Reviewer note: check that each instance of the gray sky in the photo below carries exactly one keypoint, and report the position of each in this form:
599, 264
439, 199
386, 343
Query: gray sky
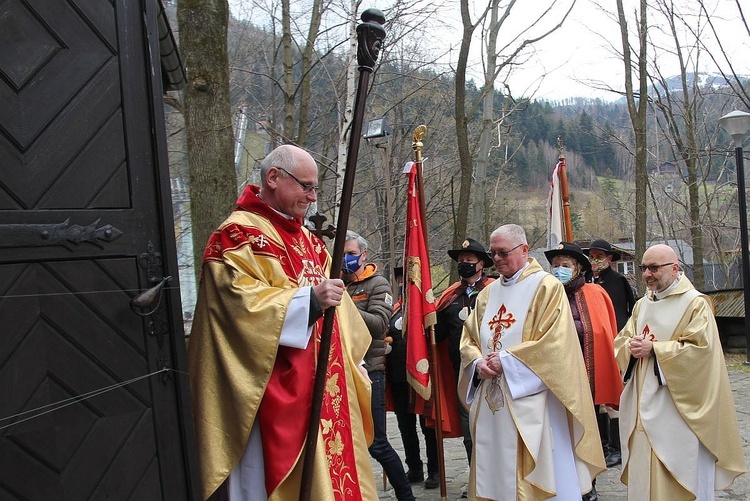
576, 57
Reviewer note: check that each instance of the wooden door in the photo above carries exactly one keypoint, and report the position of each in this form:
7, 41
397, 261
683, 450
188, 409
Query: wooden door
92, 401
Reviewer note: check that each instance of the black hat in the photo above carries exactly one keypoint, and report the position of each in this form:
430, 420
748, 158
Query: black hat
471, 245
603, 245
572, 250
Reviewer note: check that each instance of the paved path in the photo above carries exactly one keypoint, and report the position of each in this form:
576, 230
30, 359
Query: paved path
608, 484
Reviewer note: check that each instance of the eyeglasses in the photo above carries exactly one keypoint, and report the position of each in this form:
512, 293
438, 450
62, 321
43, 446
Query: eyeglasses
503, 254
307, 188
653, 268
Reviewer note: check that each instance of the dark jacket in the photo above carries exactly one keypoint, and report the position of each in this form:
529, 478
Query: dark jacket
371, 292
620, 292
449, 322
396, 359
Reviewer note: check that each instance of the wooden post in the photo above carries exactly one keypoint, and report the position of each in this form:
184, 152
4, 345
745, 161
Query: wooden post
370, 39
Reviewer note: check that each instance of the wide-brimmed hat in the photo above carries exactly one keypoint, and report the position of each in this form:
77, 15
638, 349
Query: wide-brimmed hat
569, 249
604, 246
471, 245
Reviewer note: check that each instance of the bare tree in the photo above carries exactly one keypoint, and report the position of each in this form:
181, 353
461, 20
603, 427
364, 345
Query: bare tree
680, 112
637, 107
500, 58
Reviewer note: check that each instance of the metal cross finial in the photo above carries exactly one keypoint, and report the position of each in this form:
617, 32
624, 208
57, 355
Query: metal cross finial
318, 220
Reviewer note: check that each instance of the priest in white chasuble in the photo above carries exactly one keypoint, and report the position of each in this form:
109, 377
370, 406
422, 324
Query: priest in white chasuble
253, 350
678, 425
523, 376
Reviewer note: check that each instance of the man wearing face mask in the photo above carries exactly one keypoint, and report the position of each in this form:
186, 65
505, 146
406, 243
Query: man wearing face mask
454, 306
620, 292
595, 322
371, 293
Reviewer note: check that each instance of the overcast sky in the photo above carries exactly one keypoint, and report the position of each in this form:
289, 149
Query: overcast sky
579, 55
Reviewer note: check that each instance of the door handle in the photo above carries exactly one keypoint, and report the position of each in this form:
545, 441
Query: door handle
143, 303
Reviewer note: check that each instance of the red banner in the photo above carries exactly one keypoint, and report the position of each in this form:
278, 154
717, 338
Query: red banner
419, 299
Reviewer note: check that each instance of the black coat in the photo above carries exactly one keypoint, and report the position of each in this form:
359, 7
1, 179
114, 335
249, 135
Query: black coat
395, 362
620, 292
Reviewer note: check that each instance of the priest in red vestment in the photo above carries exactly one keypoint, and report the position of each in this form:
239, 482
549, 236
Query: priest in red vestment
253, 349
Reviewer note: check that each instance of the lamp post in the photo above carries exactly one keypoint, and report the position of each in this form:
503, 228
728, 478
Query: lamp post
737, 124
377, 128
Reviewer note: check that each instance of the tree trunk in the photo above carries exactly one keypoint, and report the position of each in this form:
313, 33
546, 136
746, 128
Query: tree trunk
637, 112
208, 117
307, 63
481, 202
287, 61
348, 112
462, 134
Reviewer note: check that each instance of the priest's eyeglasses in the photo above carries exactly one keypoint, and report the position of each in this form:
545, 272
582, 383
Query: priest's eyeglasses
503, 254
307, 188
653, 268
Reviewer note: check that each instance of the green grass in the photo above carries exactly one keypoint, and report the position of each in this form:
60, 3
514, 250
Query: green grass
735, 362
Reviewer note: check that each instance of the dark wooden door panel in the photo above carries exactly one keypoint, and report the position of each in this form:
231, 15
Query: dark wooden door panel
88, 408
69, 343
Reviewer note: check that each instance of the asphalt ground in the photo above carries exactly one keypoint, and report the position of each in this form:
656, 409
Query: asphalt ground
608, 484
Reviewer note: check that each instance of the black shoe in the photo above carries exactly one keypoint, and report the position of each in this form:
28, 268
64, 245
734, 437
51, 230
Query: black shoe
415, 476
613, 458
433, 481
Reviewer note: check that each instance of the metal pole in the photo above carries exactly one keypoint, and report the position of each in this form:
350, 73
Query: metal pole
741, 197
389, 210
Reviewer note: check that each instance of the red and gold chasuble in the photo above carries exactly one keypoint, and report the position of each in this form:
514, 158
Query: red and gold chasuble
285, 406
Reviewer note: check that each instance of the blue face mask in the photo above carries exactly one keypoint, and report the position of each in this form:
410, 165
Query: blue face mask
350, 264
564, 275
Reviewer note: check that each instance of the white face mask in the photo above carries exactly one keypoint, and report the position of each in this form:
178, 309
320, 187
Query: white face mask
563, 274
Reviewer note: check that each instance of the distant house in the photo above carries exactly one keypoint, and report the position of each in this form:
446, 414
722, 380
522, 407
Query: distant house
667, 168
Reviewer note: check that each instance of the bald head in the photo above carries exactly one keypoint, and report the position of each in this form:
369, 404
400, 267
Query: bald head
660, 267
289, 178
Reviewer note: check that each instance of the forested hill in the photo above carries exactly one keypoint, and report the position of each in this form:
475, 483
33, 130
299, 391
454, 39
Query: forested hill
587, 129
408, 93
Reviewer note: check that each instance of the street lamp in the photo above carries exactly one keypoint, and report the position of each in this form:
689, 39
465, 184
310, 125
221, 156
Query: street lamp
377, 128
737, 124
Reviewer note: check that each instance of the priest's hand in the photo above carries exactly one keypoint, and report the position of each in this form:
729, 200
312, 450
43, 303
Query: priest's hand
329, 292
489, 367
640, 347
